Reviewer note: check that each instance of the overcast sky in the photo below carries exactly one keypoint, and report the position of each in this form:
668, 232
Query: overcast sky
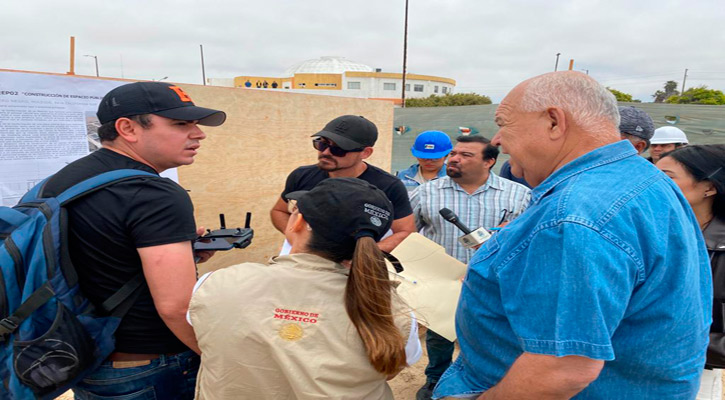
486, 46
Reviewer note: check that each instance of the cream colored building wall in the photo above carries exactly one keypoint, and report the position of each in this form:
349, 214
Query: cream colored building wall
309, 81
257, 82
242, 165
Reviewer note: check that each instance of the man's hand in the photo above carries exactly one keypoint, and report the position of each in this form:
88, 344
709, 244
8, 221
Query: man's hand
202, 255
538, 376
401, 229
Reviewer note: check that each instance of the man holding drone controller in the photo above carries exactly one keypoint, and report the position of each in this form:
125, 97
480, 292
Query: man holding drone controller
145, 224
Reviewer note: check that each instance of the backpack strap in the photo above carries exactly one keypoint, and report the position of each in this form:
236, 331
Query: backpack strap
117, 305
34, 193
120, 302
40, 296
36, 300
98, 182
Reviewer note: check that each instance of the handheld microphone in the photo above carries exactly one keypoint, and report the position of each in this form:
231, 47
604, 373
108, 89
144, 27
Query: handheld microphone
451, 217
470, 238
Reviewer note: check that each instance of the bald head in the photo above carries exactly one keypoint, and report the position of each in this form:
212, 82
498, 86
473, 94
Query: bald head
551, 119
592, 106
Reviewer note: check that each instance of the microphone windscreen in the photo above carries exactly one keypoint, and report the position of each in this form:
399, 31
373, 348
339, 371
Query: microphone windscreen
447, 214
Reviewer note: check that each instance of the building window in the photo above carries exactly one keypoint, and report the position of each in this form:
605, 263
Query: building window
407, 87
388, 86
435, 89
353, 85
326, 84
445, 90
417, 88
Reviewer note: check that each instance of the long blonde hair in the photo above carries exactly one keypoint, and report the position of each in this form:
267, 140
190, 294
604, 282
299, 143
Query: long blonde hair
368, 300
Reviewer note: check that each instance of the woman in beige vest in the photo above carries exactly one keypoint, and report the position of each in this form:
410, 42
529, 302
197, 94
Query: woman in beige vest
306, 326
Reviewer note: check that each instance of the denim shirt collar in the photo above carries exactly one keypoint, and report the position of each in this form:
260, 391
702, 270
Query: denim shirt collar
595, 158
412, 171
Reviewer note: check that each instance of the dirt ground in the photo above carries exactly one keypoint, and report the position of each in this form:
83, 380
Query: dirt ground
409, 380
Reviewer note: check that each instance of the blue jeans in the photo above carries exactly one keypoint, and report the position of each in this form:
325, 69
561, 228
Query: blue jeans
167, 377
440, 355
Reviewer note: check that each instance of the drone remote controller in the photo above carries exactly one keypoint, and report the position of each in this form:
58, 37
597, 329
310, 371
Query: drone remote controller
225, 239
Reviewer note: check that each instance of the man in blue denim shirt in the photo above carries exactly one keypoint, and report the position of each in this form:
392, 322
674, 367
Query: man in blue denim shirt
602, 288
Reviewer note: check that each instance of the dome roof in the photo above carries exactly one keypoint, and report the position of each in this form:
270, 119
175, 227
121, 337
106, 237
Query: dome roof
326, 65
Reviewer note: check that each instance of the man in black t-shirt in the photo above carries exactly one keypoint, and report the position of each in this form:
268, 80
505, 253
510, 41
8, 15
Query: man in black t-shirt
342, 146
140, 225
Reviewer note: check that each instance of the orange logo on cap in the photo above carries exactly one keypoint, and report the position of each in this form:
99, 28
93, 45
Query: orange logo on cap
182, 94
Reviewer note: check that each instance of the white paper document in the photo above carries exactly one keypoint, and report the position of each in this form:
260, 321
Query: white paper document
46, 122
430, 283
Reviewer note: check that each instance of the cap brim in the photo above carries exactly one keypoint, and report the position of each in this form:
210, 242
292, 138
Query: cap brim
340, 141
295, 195
667, 141
205, 116
420, 154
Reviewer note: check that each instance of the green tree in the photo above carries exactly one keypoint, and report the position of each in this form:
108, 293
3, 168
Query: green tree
447, 100
699, 95
621, 96
670, 90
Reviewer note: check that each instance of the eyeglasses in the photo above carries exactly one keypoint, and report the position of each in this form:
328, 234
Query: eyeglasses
321, 145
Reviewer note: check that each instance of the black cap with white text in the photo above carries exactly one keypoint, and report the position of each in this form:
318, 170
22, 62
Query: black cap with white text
341, 209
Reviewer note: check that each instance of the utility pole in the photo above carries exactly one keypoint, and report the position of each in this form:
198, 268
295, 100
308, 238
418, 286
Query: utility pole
556, 66
203, 72
72, 55
405, 52
684, 79
95, 58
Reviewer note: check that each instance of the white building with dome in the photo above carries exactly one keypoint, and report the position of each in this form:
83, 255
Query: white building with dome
338, 76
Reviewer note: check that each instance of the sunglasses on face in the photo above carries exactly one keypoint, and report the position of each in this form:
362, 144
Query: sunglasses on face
320, 145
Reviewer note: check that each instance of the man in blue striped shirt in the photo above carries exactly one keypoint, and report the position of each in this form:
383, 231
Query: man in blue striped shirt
480, 198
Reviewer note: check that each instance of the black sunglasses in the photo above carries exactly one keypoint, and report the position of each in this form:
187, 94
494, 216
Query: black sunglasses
321, 145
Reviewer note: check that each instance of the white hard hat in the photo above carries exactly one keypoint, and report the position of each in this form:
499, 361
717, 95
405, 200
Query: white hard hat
668, 134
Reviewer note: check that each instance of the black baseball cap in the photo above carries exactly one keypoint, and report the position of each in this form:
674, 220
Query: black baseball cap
342, 209
158, 98
350, 132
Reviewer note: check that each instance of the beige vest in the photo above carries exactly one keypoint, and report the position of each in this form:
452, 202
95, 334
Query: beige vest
280, 331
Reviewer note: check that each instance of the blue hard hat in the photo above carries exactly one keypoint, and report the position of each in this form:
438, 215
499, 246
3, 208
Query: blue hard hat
431, 144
